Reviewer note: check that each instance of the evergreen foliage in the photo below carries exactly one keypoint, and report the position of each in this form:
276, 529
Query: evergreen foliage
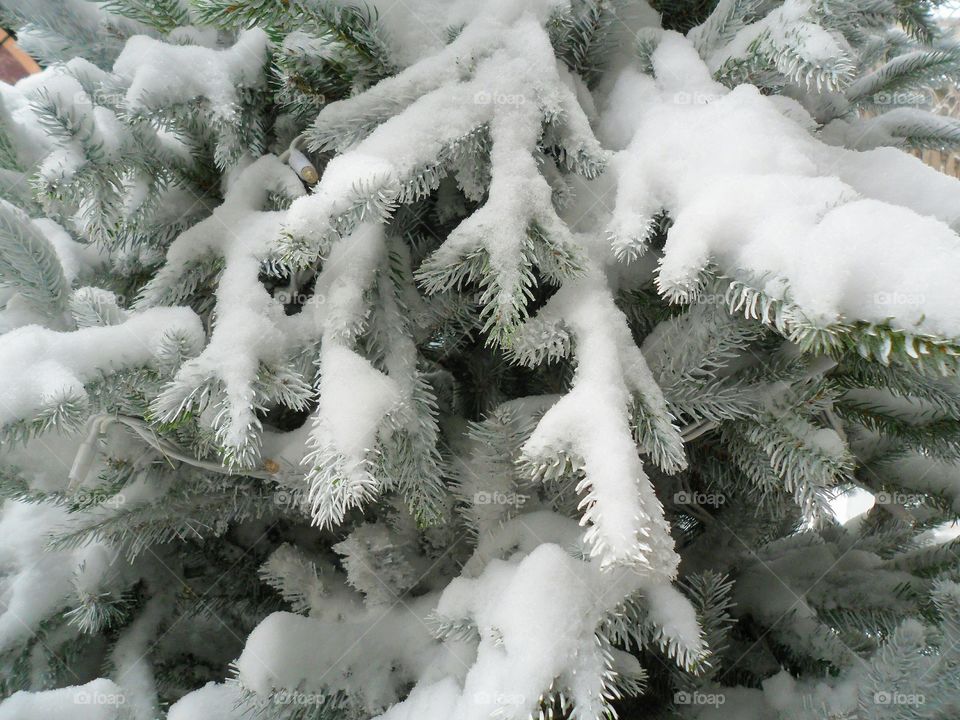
486, 360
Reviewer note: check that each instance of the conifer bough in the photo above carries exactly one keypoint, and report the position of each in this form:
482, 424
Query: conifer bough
470, 360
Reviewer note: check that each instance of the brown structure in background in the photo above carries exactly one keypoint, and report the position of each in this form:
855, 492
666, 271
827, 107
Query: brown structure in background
947, 103
14, 62
945, 162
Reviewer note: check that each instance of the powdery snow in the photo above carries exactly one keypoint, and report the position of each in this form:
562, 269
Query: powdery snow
520, 585
591, 422
517, 589
160, 73
750, 189
515, 80
337, 311
354, 398
373, 653
36, 583
791, 26
755, 194
41, 366
211, 702
243, 234
99, 699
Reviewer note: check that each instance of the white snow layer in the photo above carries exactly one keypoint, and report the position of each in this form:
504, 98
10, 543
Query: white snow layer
525, 580
41, 367
36, 582
840, 234
591, 423
99, 699
242, 234
211, 702
161, 73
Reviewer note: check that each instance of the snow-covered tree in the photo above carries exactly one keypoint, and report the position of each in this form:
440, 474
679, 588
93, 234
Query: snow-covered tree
470, 359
